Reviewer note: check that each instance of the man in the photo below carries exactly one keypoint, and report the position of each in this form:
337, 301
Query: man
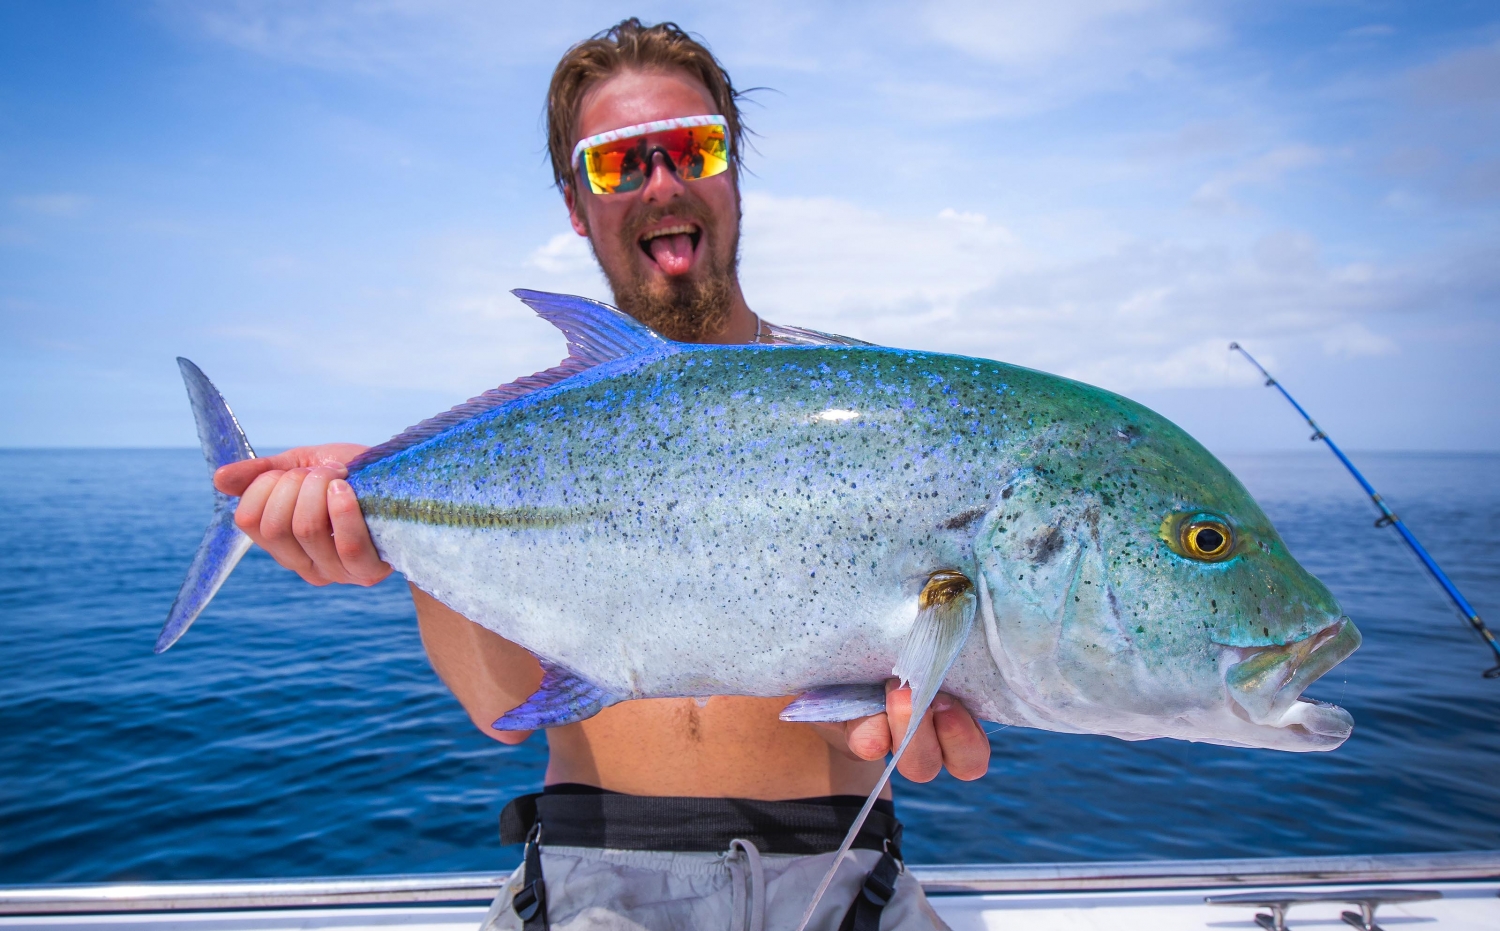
734, 811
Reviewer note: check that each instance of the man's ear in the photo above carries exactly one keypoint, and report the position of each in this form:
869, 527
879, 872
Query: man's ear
575, 213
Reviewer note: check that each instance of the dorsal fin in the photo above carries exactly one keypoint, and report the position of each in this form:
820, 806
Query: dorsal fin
596, 332
801, 336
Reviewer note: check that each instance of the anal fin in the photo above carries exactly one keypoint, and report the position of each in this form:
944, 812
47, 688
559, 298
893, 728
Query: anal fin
562, 698
945, 615
836, 703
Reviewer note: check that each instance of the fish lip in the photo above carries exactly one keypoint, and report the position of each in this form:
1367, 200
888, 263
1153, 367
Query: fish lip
1265, 687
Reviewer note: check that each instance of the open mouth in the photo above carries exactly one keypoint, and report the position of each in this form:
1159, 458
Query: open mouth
1267, 685
673, 247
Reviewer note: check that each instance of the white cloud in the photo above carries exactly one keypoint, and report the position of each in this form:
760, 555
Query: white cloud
1069, 250
1041, 34
830, 264
398, 39
1217, 193
1355, 339
565, 254
454, 330
1036, 53
52, 205
470, 42
1469, 77
1144, 315
1029, 56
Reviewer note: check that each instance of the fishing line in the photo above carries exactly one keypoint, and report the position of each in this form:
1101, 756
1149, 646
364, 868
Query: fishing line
1388, 518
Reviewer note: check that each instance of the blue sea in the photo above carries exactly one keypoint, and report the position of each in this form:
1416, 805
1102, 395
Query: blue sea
299, 731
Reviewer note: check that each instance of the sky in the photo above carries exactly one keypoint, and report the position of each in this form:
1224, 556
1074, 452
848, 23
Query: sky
325, 204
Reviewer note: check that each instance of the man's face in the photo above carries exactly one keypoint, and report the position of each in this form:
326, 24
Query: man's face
669, 248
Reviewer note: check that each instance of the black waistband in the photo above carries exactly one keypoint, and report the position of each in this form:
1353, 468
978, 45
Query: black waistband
581, 816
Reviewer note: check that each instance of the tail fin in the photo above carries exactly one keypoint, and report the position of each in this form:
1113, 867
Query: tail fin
223, 543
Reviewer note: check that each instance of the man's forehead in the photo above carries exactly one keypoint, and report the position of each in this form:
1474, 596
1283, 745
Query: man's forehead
630, 98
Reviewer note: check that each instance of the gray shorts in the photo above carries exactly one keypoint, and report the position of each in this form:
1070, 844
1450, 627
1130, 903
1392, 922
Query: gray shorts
741, 888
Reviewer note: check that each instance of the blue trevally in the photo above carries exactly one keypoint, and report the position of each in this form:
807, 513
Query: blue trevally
657, 519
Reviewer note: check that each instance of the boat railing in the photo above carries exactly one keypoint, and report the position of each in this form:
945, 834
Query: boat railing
461, 888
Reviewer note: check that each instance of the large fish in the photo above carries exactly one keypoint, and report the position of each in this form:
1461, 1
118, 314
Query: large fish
656, 519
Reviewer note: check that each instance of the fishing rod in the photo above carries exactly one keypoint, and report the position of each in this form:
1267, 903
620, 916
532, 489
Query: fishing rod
1388, 518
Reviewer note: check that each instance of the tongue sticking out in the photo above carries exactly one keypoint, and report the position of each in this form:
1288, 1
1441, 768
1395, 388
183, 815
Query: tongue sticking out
673, 253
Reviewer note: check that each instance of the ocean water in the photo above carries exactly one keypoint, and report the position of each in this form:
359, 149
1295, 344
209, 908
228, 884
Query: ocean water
299, 731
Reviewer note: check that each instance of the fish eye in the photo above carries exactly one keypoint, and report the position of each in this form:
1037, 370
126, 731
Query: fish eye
1206, 538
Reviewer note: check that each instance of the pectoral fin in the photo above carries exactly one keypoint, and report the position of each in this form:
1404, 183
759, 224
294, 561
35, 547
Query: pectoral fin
836, 703
945, 615
562, 698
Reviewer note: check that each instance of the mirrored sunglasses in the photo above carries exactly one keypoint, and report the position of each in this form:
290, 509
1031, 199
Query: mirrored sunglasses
618, 161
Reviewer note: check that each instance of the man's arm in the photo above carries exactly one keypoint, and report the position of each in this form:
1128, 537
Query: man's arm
488, 674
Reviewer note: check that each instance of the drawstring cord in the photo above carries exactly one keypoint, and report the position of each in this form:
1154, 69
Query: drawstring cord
748, 894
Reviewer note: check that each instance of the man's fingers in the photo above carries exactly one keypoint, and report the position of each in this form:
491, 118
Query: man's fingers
923, 758
948, 736
311, 526
289, 507
351, 537
253, 504
965, 748
234, 478
869, 738
276, 534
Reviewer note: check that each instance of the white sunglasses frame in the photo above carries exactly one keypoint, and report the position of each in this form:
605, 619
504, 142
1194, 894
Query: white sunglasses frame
646, 129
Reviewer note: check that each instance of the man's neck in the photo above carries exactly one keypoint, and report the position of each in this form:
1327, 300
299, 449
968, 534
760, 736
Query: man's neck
742, 326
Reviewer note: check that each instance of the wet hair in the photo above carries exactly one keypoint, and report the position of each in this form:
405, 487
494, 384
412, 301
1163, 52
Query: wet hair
632, 46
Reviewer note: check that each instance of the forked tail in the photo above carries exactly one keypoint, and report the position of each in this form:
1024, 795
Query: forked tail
223, 543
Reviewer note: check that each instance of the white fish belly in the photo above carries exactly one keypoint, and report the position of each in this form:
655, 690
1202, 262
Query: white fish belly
726, 614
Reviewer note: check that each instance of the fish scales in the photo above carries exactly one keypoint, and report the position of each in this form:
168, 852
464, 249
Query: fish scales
711, 493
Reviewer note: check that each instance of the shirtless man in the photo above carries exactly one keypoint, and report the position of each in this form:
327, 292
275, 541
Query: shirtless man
667, 240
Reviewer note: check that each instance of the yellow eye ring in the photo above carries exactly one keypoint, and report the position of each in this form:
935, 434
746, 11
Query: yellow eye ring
1207, 539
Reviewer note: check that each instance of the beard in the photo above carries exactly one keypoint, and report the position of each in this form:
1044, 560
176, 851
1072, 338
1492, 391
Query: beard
689, 308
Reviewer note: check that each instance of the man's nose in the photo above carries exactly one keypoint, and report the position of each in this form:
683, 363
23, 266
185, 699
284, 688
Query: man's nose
662, 183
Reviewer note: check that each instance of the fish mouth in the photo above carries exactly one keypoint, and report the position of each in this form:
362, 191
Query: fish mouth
1266, 686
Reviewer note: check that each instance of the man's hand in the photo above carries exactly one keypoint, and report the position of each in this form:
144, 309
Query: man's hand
298, 508
947, 737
